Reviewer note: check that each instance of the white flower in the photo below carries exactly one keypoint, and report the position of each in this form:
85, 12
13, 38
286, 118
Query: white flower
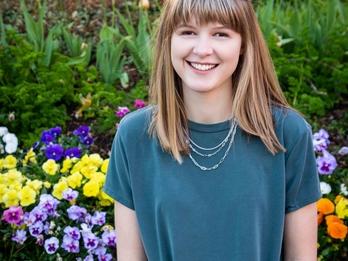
325, 188
344, 190
3, 131
11, 142
343, 151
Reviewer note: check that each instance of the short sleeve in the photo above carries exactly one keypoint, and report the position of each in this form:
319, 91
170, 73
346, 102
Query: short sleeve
118, 184
302, 178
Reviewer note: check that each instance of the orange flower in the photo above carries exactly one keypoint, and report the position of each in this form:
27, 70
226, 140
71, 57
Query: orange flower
320, 218
337, 230
332, 219
325, 206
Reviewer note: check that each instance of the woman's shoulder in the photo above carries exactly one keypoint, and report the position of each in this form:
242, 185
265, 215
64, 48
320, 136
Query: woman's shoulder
135, 123
291, 124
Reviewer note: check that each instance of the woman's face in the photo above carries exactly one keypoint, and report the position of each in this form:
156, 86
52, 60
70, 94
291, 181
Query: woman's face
205, 56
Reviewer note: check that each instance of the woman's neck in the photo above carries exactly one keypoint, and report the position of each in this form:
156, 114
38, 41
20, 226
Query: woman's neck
208, 108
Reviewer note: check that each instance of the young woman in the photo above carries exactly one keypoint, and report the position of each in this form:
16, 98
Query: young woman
218, 167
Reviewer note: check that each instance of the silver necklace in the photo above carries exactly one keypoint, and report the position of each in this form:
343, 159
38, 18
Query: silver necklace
230, 135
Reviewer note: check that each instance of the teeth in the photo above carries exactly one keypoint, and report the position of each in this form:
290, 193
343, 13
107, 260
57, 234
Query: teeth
202, 67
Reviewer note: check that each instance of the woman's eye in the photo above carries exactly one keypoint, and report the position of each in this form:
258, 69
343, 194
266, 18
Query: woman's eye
221, 35
187, 33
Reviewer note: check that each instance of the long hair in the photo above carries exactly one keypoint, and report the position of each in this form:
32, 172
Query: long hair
255, 85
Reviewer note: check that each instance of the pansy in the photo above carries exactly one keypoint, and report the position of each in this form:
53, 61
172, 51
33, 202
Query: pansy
98, 218
138, 103
13, 215
70, 245
70, 194
76, 212
72, 232
122, 111
326, 164
20, 236
109, 238
51, 245
74, 152
83, 131
54, 151
325, 188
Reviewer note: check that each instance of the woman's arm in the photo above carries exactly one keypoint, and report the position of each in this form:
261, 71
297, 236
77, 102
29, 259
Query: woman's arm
300, 234
129, 245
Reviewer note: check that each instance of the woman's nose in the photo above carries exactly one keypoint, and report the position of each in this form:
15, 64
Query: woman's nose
202, 47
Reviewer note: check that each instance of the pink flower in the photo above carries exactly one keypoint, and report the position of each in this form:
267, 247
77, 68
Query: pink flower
138, 103
13, 215
122, 111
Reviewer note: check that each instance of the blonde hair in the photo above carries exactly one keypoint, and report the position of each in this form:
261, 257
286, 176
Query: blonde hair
255, 84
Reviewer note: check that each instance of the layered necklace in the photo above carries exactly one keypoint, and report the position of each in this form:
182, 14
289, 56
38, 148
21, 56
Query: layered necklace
209, 152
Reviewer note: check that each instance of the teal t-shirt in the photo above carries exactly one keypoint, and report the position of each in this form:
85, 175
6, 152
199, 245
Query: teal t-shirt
235, 212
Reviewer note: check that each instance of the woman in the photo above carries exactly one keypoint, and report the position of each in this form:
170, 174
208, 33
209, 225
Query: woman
219, 167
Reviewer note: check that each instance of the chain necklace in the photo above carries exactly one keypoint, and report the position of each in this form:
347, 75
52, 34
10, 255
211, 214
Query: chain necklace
230, 135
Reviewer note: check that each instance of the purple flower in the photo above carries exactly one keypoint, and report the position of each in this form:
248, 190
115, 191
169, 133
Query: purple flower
321, 140
56, 131
90, 240
326, 164
70, 194
74, 152
20, 236
46, 137
13, 215
48, 204
36, 229
109, 238
343, 151
105, 257
122, 111
81, 131
70, 245
37, 214
76, 213
88, 140
54, 151
98, 218
138, 103
72, 232
51, 245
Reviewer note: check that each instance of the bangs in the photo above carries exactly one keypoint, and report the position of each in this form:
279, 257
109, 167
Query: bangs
225, 12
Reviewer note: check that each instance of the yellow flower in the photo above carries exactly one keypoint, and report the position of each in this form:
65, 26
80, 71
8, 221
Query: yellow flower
10, 198
342, 208
35, 184
27, 196
10, 162
105, 165
29, 157
47, 184
95, 159
77, 167
104, 199
59, 188
3, 190
50, 167
15, 185
91, 188
99, 177
14, 176
89, 170
1, 164
74, 180
67, 164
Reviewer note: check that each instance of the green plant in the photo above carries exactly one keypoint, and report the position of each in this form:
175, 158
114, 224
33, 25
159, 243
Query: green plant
109, 55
